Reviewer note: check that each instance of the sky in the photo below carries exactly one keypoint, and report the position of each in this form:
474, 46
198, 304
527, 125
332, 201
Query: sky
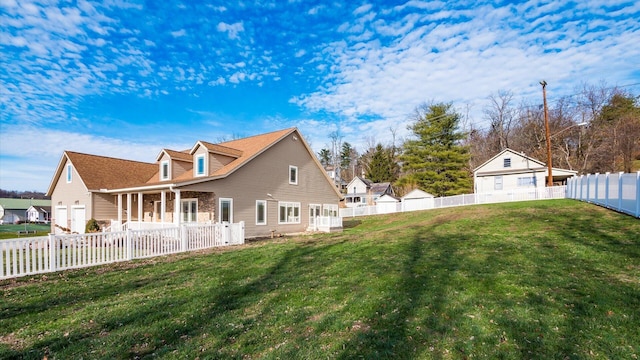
127, 78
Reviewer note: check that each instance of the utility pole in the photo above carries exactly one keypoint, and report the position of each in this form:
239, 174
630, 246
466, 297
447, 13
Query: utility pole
547, 133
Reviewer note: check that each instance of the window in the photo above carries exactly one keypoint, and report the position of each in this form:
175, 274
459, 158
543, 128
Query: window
200, 168
164, 170
507, 162
293, 175
497, 183
289, 213
330, 210
226, 210
527, 181
261, 212
69, 172
189, 210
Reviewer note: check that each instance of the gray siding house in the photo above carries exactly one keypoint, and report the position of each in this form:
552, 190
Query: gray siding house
272, 182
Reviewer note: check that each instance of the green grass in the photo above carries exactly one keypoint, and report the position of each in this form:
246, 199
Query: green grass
10, 231
534, 280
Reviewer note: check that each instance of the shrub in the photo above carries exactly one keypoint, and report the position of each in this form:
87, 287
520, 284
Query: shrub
92, 226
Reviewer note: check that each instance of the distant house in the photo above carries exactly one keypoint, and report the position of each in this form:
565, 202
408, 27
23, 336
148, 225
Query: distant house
40, 214
387, 204
15, 210
510, 170
363, 192
272, 182
417, 200
334, 175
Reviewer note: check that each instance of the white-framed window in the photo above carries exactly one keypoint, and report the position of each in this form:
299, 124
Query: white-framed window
507, 162
226, 210
527, 181
261, 212
200, 165
289, 212
69, 173
330, 210
164, 170
293, 175
189, 210
497, 183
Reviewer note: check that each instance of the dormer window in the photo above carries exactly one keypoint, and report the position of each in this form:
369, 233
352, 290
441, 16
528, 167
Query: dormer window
164, 170
200, 165
293, 175
507, 162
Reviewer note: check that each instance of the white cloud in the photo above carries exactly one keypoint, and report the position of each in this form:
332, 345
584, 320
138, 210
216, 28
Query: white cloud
179, 33
232, 30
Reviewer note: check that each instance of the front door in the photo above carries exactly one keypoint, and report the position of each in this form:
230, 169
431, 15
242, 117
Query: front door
314, 210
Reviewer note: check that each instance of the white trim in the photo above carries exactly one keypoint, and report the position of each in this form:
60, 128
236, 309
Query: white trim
293, 182
264, 204
204, 165
230, 200
287, 205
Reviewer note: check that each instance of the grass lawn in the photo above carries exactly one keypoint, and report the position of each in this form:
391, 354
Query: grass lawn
10, 231
538, 280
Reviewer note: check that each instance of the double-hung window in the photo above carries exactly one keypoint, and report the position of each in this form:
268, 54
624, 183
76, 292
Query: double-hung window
289, 212
293, 175
189, 210
226, 210
261, 212
497, 183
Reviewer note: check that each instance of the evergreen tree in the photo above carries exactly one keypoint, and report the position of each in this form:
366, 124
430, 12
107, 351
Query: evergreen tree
325, 157
435, 160
381, 166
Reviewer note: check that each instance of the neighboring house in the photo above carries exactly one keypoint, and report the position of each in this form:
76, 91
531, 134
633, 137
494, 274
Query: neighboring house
15, 210
417, 199
334, 175
273, 182
363, 192
40, 214
509, 170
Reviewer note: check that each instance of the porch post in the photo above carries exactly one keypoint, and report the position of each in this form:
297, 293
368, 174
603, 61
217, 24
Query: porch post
177, 208
163, 205
128, 208
140, 207
120, 210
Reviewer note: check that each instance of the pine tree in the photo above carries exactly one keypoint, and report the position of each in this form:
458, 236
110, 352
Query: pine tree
435, 160
380, 167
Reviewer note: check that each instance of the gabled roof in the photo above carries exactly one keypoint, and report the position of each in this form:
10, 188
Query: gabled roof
41, 209
522, 155
380, 188
176, 155
537, 165
417, 194
217, 149
101, 172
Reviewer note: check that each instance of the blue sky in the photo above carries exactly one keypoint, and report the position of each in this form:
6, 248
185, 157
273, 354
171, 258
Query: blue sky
126, 78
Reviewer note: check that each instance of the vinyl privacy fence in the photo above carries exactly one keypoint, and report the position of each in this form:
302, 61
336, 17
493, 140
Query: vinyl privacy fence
556, 192
20, 257
618, 191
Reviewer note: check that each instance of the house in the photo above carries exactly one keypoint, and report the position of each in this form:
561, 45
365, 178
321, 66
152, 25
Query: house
272, 182
363, 192
39, 214
417, 199
15, 210
510, 170
334, 175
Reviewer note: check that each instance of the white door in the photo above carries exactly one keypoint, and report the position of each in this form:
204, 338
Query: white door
78, 220
314, 210
61, 218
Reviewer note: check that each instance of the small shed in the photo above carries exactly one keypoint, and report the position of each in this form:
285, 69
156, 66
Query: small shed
417, 200
386, 204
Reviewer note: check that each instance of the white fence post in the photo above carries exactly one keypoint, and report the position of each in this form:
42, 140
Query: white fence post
595, 196
129, 244
183, 238
606, 188
620, 190
638, 194
52, 252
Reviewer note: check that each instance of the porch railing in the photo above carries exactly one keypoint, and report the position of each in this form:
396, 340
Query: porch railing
51, 253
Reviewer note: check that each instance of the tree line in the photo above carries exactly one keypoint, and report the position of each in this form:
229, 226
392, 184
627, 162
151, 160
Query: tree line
595, 130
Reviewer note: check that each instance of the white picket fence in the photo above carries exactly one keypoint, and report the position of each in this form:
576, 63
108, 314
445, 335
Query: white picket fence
35, 255
618, 191
555, 192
